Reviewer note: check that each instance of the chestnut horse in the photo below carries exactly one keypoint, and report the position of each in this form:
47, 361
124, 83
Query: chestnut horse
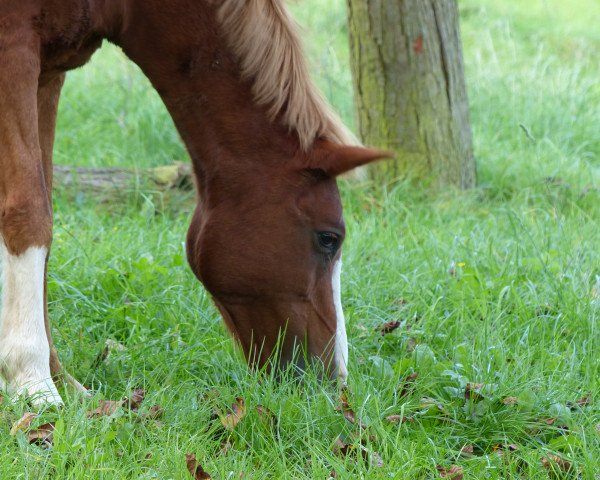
266, 234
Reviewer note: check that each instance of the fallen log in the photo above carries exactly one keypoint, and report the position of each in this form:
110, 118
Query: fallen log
177, 175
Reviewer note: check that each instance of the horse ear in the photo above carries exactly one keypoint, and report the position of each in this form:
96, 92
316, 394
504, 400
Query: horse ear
339, 159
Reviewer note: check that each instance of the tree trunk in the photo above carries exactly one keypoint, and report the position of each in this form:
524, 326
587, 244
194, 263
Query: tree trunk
410, 89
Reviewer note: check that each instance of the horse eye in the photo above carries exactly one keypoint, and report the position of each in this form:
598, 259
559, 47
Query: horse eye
329, 242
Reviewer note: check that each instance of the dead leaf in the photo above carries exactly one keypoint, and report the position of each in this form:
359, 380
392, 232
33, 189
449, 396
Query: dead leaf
348, 413
411, 344
597, 427
106, 408
43, 435
472, 392
343, 449
467, 450
501, 448
407, 385
389, 327
225, 447
399, 419
195, 468
585, 401
211, 395
548, 421
453, 473
155, 412
238, 411
510, 401
23, 423
556, 464
267, 417
135, 400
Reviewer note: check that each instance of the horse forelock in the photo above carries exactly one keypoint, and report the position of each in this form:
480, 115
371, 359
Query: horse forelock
265, 39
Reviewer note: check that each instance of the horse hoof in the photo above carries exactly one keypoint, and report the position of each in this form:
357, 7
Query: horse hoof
40, 393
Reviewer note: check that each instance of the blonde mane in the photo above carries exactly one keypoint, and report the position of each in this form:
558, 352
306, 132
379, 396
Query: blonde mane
265, 38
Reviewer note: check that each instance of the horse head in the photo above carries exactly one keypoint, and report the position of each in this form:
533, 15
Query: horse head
269, 251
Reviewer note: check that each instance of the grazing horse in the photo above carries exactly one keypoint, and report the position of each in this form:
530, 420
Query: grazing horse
266, 234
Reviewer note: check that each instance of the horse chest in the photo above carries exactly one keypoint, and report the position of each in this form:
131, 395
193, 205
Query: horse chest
62, 58
66, 33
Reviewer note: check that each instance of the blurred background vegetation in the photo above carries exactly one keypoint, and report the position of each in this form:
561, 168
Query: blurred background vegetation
530, 66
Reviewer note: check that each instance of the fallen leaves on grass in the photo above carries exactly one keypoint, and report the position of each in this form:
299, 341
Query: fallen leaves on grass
399, 419
235, 415
210, 395
556, 465
195, 468
584, 401
473, 392
504, 450
340, 448
225, 447
266, 416
343, 449
106, 408
155, 412
407, 385
389, 327
510, 401
136, 399
43, 435
467, 451
347, 411
23, 423
539, 426
453, 472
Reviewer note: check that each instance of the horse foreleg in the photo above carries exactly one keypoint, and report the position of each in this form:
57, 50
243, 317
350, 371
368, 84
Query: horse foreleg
47, 101
25, 224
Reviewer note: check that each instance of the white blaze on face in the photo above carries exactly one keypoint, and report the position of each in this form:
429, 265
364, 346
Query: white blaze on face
341, 340
24, 349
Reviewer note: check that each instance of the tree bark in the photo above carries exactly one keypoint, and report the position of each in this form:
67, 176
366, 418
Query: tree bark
410, 89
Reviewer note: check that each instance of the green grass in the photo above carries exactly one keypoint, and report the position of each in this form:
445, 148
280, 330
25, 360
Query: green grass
492, 286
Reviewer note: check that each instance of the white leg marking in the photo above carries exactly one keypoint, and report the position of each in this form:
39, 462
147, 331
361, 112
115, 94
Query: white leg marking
24, 350
341, 339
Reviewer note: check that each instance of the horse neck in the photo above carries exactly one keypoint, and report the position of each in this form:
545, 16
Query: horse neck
181, 51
